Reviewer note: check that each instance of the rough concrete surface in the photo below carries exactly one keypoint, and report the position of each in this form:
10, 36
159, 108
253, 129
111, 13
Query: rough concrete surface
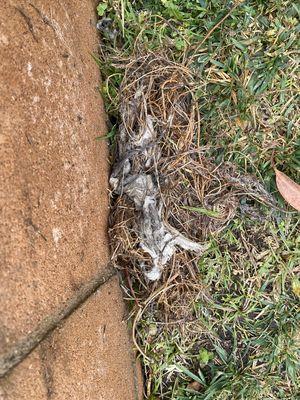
54, 206
75, 361
53, 171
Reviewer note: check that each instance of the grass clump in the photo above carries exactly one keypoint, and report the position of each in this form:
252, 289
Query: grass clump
224, 325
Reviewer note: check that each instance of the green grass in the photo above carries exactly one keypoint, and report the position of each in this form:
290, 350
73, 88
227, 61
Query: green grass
244, 341
247, 346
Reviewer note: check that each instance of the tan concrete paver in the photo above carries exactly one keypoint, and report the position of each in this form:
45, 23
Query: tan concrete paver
88, 357
53, 173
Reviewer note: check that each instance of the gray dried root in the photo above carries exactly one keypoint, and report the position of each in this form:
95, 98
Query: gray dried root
157, 238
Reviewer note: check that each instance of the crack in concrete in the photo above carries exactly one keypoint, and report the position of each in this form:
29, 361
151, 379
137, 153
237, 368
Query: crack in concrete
47, 368
19, 351
28, 22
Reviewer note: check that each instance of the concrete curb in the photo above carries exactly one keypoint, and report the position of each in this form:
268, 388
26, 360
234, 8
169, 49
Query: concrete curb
18, 352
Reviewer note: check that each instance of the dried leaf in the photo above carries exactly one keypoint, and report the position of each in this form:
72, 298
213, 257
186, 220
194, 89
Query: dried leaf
288, 189
195, 386
296, 287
